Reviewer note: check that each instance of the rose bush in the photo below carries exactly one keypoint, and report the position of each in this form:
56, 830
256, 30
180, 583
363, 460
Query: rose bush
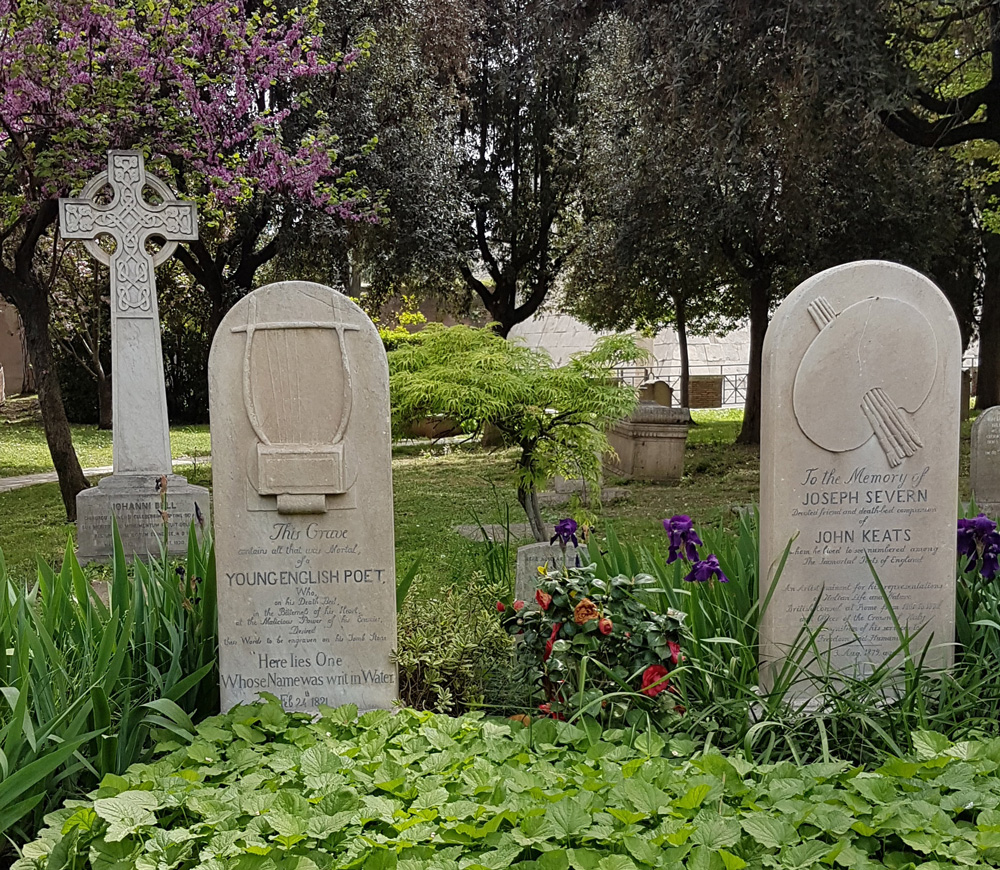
589, 641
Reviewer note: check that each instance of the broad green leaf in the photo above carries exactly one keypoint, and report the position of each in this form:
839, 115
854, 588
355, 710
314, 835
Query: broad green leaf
568, 819
126, 813
694, 797
716, 832
928, 744
767, 830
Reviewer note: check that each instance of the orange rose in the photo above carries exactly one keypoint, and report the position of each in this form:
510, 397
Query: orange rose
605, 626
585, 611
543, 599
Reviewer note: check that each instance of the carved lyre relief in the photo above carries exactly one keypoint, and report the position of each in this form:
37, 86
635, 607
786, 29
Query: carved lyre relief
297, 395
854, 382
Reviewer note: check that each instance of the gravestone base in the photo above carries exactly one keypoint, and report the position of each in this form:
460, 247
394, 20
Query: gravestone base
134, 502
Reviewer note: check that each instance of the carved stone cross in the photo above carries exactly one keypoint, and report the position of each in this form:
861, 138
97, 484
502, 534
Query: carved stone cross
141, 433
135, 494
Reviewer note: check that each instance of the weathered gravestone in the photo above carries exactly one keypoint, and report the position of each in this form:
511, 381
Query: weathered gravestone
985, 462
530, 558
134, 494
299, 402
859, 460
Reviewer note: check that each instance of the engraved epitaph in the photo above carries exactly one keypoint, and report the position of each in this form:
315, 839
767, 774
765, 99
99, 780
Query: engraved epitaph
859, 461
141, 448
299, 400
985, 462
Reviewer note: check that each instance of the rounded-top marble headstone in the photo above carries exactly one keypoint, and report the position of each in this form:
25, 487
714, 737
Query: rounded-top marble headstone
859, 471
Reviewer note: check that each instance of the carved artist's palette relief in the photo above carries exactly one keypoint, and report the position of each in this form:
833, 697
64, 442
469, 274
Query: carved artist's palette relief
853, 385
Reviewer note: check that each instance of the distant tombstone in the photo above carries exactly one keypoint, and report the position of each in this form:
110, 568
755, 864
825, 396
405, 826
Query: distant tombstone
299, 402
984, 475
134, 493
659, 392
859, 461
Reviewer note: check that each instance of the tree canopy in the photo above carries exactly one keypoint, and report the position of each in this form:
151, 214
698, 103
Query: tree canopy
209, 90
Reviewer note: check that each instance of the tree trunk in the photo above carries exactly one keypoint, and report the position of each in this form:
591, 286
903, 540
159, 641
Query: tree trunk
528, 498
104, 401
34, 309
988, 381
682, 342
760, 302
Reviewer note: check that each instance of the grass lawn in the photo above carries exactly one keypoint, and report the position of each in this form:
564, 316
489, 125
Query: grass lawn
436, 488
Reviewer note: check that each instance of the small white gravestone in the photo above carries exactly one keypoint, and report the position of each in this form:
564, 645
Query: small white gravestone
301, 460
985, 462
859, 461
532, 557
141, 449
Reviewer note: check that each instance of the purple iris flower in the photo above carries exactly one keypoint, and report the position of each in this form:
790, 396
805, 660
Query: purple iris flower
565, 533
702, 572
978, 538
972, 535
682, 537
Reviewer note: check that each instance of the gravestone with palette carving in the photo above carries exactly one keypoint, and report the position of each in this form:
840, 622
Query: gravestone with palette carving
859, 465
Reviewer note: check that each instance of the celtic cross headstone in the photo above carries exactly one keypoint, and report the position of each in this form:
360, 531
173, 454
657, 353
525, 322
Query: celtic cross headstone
141, 447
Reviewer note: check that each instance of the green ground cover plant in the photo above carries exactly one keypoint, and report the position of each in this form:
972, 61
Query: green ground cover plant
261, 788
86, 676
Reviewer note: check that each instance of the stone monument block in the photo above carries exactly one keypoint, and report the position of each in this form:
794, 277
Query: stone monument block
659, 392
985, 462
649, 445
299, 402
859, 461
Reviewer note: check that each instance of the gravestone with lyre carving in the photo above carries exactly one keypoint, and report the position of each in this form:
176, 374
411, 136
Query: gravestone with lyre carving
858, 473
134, 493
301, 463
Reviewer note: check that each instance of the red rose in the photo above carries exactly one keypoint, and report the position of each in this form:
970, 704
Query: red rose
550, 641
654, 680
547, 710
518, 605
675, 652
605, 626
543, 599
500, 607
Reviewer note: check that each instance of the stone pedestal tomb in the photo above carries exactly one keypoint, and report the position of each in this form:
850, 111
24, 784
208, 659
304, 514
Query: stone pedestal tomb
141, 447
985, 462
650, 444
299, 400
859, 461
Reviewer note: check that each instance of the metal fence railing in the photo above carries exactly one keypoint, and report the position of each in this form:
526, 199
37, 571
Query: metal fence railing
733, 387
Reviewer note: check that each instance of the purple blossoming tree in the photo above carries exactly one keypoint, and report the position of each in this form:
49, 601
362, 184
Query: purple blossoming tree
213, 92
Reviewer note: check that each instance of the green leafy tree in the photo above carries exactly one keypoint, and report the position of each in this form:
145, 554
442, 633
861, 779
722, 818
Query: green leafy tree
951, 51
740, 171
557, 417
